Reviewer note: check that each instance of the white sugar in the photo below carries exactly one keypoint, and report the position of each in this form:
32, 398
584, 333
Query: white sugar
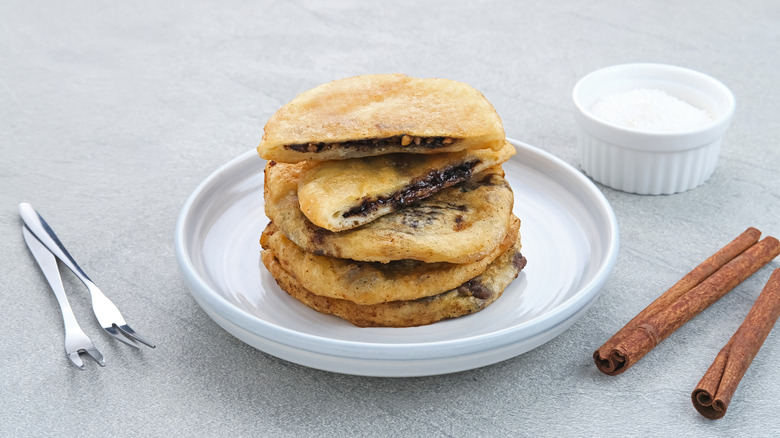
650, 110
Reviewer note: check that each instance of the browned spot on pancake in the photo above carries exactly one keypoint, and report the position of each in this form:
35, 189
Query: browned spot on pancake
490, 179
460, 224
420, 216
317, 234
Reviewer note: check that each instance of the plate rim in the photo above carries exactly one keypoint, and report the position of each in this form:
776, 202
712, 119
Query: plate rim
427, 350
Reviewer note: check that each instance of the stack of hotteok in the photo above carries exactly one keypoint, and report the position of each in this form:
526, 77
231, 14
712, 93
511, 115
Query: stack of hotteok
387, 200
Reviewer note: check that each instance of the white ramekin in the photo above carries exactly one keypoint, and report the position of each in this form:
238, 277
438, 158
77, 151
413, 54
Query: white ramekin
645, 162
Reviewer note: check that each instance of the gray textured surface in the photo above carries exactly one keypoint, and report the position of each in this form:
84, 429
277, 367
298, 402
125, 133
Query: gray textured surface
110, 114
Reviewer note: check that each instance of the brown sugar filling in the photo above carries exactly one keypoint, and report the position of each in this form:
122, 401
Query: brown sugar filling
375, 143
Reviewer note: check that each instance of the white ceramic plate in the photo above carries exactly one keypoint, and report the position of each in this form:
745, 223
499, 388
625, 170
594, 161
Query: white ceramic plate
569, 236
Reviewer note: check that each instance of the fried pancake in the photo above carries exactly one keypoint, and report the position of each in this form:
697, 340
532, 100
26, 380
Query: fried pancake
380, 114
460, 224
343, 194
469, 297
373, 282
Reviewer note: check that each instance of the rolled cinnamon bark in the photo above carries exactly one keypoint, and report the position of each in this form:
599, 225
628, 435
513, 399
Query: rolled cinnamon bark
715, 390
662, 321
611, 358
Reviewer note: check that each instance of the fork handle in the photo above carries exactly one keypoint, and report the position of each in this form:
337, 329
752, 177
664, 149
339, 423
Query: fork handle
38, 226
48, 266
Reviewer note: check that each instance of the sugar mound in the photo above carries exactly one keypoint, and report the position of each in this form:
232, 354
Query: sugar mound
650, 110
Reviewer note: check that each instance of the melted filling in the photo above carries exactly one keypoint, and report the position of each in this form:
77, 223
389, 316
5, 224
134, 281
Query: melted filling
518, 261
476, 289
373, 143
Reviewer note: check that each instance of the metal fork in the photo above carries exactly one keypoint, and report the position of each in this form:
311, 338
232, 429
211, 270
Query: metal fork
75, 340
106, 312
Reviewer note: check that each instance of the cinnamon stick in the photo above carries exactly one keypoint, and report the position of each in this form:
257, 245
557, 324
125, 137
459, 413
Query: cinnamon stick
693, 293
611, 360
715, 390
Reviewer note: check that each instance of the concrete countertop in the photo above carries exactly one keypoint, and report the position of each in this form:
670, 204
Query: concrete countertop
112, 113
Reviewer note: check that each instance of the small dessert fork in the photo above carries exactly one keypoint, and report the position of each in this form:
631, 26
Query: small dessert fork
75, 340
106, 312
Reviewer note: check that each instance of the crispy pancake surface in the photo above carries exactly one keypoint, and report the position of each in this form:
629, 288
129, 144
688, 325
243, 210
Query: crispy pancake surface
378, 114
469, 297
343, 194
373, 282
460, 224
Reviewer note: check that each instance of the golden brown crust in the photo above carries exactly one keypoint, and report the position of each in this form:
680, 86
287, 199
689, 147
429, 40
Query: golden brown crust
381, 106
472, 296
372, 282
343, 194
460, 224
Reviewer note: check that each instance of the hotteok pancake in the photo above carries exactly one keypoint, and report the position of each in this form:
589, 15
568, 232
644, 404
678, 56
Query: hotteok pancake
373, 282
460, 224
379, 114
343, 194
469, 297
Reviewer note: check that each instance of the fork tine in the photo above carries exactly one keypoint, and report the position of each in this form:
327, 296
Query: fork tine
96, 355
74, 357
115, 333
127, 331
